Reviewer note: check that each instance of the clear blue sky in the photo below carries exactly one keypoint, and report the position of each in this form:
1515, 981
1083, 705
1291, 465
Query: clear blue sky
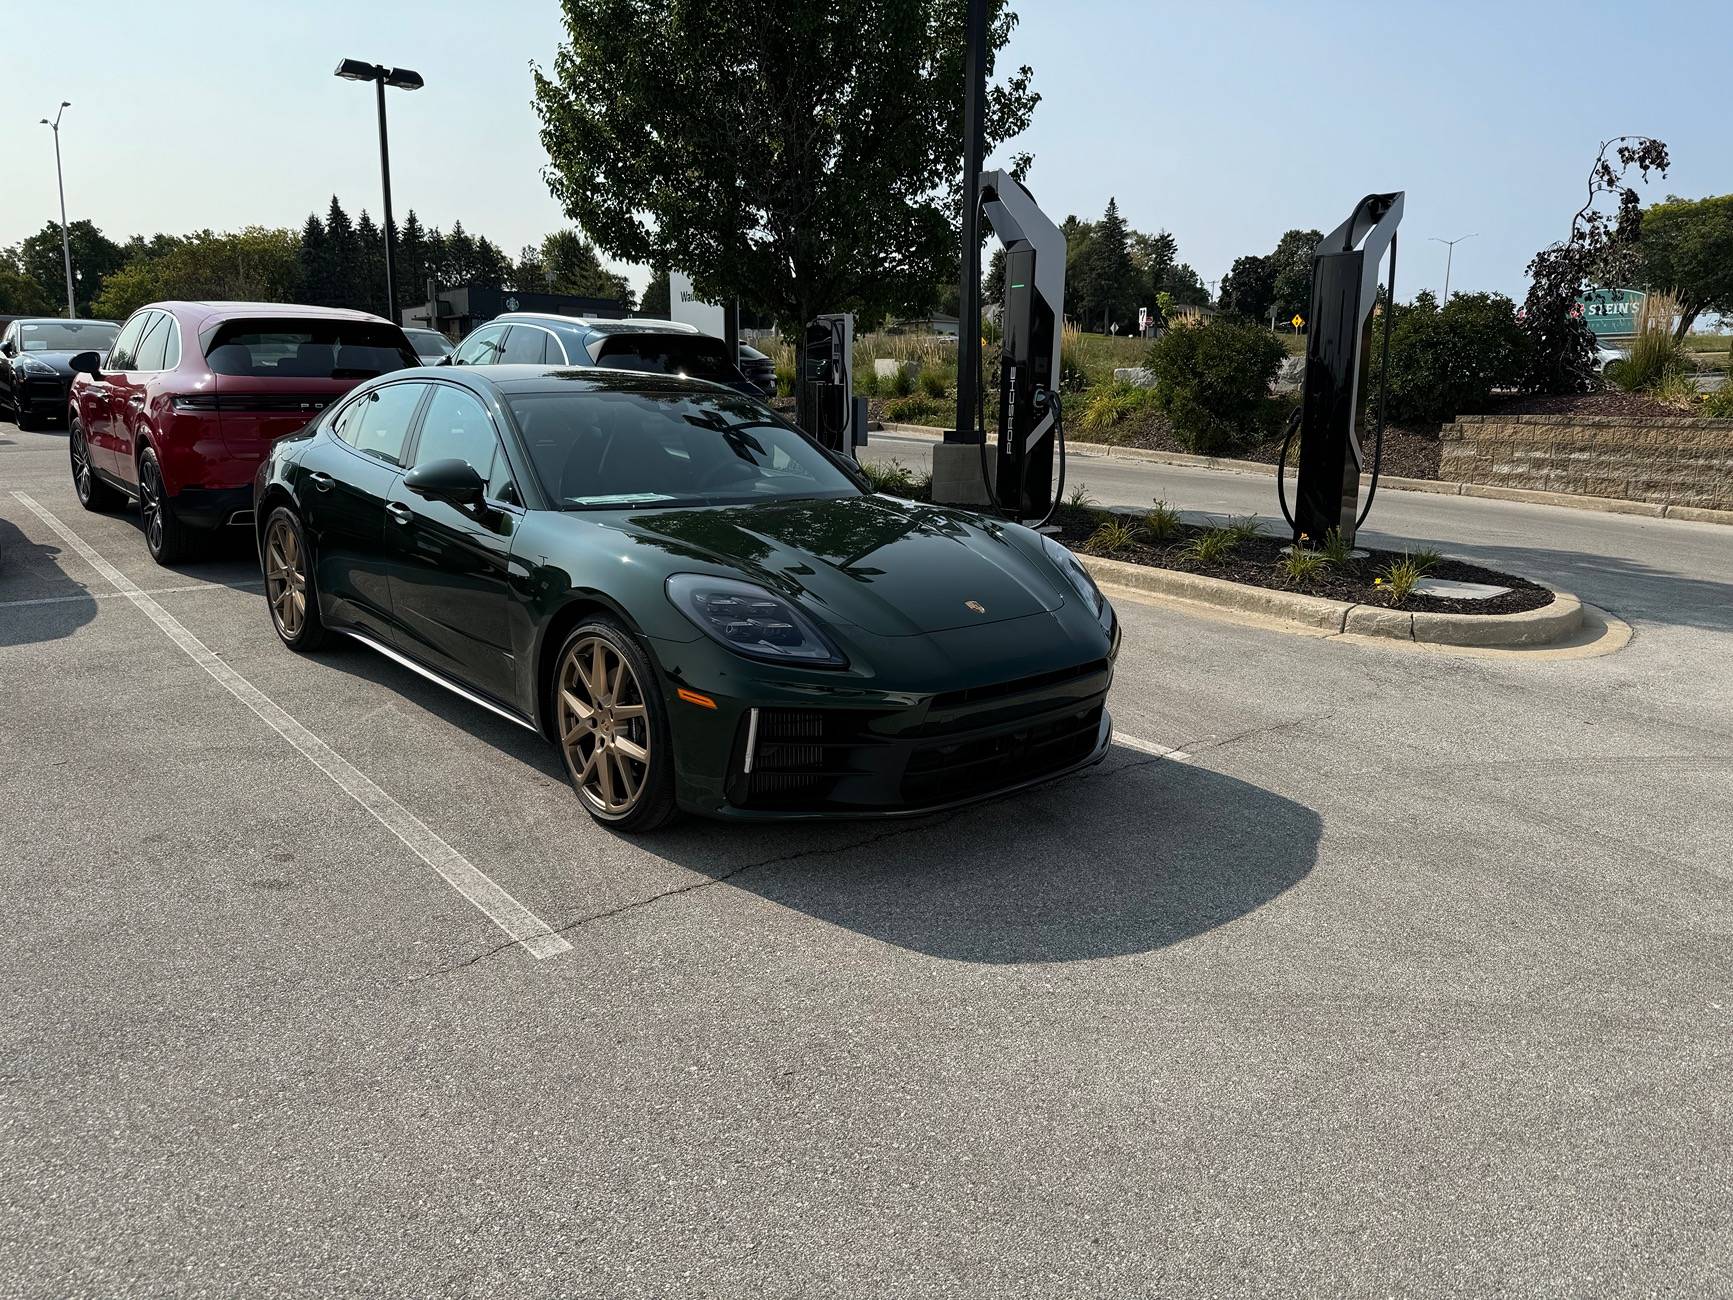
1225, 123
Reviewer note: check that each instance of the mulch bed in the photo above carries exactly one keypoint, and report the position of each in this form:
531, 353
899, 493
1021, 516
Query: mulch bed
1254, 563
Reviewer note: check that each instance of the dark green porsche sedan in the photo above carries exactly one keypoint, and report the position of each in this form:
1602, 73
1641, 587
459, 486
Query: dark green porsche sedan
696, 603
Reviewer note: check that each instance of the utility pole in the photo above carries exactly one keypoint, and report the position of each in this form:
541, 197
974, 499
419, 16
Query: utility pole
1449, 244
60, 180
969, 286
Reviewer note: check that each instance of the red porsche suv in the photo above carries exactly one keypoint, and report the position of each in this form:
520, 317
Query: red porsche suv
181, 410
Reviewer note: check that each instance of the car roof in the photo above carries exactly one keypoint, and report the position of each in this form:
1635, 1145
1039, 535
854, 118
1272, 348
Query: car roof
200, 313
630, 325
520, 378
57, 320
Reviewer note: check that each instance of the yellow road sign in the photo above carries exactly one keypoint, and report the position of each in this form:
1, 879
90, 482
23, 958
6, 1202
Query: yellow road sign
1297, 321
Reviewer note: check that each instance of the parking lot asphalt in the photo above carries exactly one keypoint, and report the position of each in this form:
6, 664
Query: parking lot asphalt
1411, 976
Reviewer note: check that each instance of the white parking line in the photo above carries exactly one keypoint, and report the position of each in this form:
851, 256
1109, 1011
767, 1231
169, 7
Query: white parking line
110, 595
474, 884
1150, 747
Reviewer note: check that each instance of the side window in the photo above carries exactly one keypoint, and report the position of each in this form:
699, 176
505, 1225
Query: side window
10, 337
152, 344
457, 427
481, 348
377, 424
171, 355
526, 345
121, 354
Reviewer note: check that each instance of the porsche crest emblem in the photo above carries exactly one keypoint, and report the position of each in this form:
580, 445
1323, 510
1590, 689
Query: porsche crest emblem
975, 605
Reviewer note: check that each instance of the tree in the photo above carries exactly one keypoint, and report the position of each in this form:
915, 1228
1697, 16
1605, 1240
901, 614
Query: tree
1185, 286
317, 285
368, 291
19, 294
993, 285
412, 258
1107, 281
800, 162
1291, 271
1446, 361
1601, 247
255, 264
657, 298
342, 258
94, 258
1687, 248
574, 267
1249, 288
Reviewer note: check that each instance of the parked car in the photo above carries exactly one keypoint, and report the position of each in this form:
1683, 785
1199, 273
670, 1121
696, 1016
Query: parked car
181, 409
759, 368
658, 347
430, 345
35, 357
695, 602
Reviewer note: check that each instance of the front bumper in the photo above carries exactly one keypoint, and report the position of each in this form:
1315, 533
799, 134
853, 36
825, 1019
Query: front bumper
1002, 708
42, 395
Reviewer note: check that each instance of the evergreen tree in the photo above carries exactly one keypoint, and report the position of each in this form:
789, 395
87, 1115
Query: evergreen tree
343, 258
412, 259
460, 257
528, 275
1107, 279
492, 266
315, 258
657, 303
437, 260
369, 291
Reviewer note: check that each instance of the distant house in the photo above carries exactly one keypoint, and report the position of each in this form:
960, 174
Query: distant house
944, 326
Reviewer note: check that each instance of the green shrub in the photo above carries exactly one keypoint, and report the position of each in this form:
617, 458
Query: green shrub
1243, 530
892, 477
1213, 382
1400, 579
1108, 406
1719, 404
1337, 551
785, 378
902, 383
1079, 499
920, 409
935, 383
1656, 362
1212, 546
866, 383
1446, 361
1162, 523
1112, 536
1425, 559
1300, 566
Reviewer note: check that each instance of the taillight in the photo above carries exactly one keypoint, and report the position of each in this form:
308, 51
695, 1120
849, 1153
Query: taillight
195, 402
252, 403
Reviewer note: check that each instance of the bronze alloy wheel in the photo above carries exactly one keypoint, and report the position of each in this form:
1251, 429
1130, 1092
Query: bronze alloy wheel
285, 577
604, 727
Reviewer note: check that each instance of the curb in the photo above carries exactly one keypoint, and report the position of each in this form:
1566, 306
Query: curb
1535, 627
1392, 482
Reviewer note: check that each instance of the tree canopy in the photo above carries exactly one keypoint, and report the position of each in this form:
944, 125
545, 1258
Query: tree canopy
799, 158
95, 256
251, 265
1687, 247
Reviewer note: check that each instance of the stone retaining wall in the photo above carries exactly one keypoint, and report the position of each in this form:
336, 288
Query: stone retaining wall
1665, 460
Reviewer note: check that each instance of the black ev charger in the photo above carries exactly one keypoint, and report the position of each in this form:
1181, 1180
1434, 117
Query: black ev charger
1031, 421
825, 404
1344, 292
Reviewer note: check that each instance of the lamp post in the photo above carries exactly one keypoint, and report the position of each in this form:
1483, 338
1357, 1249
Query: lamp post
1448, 257
381, 77
60, 180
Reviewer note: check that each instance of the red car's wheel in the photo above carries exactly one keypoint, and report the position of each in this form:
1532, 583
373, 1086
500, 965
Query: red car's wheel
93, 493
167, 539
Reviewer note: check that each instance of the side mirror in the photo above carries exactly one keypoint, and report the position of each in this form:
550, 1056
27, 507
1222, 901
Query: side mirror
452, 481
7, 350
85, 363
446, 360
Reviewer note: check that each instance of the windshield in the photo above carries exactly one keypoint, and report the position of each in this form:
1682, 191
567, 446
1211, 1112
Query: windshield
692, 355
306, 349
616, 450
428, 343
66, 335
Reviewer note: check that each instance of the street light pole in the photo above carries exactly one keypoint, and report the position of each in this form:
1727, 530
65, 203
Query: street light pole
60, 180
1449, 256
381, 77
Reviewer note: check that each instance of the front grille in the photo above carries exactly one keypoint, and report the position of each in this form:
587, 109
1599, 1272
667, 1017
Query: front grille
987, 738
45, 389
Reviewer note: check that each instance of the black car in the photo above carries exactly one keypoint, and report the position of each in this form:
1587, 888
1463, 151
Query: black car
430, 345
697, 604
657, 347
35, 357
759, 368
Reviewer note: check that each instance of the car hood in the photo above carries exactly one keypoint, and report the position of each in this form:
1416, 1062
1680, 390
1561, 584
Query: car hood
889, 567
60, 361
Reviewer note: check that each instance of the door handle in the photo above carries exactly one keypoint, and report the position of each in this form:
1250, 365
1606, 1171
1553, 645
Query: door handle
400, 512
323, 481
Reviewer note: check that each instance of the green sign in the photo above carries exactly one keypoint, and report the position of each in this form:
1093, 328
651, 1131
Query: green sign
1611, 313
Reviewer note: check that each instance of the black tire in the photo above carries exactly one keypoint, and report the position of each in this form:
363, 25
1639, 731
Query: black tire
23, 417
598, 751
93, 493
291, 593
165, 536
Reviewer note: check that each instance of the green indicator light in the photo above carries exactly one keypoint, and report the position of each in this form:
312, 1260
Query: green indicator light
1018, 285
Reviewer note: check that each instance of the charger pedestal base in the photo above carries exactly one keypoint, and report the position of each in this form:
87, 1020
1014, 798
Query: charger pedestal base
957, 474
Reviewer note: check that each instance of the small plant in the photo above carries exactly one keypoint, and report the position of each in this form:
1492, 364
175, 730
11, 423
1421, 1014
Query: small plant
1079, 499
1212, 546
785, 378
919, 409
1162, 523
1675, 388
1719, 404
1426, 559
1400, 579
902, 382
1244, 530
1302, 567
933, 382
1337, 551
1112, 536
866, 383
890, 477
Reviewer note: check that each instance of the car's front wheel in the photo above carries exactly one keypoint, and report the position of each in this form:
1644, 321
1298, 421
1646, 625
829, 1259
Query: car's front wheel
289, 589
613, 729
24, 417
93, 493
168, 539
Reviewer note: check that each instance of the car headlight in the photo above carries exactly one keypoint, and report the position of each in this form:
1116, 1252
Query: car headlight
750, 621
31, 366
1078, 576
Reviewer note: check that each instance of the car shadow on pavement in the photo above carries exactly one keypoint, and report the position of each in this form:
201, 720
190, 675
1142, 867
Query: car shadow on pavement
1133, 855
30, 571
